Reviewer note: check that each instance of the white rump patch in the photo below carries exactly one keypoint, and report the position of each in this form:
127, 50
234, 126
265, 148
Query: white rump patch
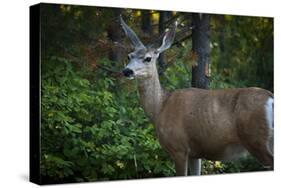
269, 112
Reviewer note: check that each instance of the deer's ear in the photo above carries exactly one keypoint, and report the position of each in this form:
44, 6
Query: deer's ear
131, 34
168, 39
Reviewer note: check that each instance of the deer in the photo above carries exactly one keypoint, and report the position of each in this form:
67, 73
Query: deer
193, 124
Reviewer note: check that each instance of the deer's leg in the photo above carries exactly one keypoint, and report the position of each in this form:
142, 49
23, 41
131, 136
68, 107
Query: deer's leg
180, 159
257, 137
260, 148
263, 155
194, 166
264, 152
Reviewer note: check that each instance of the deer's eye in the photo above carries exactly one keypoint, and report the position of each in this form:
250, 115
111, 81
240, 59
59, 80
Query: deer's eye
147, 59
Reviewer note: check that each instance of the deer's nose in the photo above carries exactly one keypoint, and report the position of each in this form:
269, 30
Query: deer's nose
127, 72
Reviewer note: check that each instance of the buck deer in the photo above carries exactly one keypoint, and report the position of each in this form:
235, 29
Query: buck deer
195, 123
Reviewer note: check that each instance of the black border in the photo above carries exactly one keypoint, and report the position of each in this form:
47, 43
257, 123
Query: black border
34, 95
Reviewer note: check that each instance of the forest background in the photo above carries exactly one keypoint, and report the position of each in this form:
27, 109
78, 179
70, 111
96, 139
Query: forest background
93, 127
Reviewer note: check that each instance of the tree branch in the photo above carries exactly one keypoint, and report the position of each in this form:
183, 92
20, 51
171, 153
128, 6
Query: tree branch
79, 61
181, 40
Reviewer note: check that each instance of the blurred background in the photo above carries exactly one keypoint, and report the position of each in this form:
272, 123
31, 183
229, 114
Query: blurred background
93, 127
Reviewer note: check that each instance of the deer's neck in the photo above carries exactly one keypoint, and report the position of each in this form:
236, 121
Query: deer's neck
152, 96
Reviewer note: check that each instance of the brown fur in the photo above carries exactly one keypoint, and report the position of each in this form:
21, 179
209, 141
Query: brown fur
204, 123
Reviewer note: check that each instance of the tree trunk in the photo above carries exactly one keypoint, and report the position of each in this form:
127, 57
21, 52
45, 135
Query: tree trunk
114, 34
146, 25
201, 51
221, 41
164, 16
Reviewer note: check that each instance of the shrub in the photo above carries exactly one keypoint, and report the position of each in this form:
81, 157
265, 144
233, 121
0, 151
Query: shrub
91, 131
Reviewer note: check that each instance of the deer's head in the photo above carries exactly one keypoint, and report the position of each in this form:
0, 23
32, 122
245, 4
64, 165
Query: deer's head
142, 61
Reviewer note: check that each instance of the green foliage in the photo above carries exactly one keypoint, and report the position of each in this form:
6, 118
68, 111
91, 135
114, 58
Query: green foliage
242, 50
91, 132
177, 76
245, 164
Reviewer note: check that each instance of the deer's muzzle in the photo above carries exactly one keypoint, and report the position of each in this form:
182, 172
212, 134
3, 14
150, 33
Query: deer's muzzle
128, 72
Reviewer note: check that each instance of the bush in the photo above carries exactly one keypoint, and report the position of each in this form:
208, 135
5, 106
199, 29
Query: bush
92, 132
